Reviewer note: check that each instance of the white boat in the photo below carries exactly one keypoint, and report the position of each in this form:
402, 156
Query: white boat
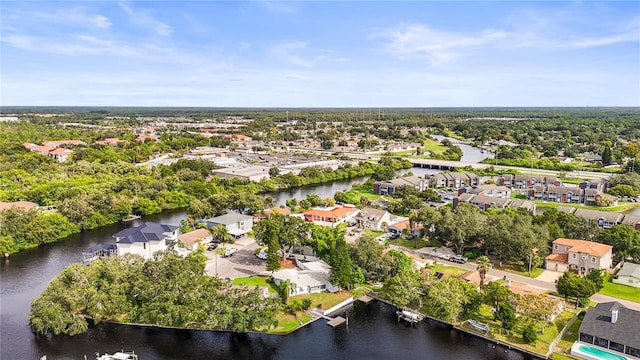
121, 355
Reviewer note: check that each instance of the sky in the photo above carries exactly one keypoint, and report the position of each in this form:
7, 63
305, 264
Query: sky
320, 54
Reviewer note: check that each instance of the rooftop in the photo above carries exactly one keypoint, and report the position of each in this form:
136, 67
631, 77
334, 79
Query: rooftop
585, 246
146, 232
597, 322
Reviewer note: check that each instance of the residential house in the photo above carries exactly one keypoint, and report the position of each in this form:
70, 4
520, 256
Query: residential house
60, 154
236, 224
629, 275
527, 181
631, 220
389, 187
374, 219
143, 138
146, 239
610, 326
42, 150
400, 227
581, 255
110, 141
569, 195
192, 240
331, 215
311, 277
24, 205
264, 214
58, 143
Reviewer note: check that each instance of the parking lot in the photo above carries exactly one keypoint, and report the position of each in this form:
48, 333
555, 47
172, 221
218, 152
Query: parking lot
242, 263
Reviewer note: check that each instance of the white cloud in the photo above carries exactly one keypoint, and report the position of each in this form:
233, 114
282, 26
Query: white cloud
289, 52
419, 41
144, 19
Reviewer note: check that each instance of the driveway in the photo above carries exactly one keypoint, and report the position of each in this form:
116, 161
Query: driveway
242, 263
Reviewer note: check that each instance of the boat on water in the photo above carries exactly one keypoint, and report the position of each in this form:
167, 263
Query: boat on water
121, 355
409, 316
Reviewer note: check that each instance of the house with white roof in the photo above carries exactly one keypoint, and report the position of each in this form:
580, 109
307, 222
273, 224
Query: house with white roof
311, 277
629, 275
237, 225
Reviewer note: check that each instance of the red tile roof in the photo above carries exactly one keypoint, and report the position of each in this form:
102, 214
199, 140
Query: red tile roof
584, 246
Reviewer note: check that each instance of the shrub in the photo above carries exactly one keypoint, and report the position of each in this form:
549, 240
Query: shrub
306, 303
529, 334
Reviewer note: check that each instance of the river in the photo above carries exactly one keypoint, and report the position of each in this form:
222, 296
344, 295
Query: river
373, 331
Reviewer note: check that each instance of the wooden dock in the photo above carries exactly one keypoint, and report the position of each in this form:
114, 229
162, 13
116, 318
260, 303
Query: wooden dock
131, 218
337, 321
333, 322
365, 299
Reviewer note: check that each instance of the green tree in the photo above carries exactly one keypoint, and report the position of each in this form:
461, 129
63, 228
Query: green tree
404, 287
273, 259
274, 171
449, 298
366, 252
606, 156
483, 266
506, 314
220, 234
341, 266
460, 226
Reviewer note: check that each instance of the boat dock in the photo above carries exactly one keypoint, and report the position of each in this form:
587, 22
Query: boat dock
98, 252
333, 322
131, 218
365, 299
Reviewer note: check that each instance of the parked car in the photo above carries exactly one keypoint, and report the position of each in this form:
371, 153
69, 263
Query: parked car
394, 235
212, 246
229, 251
458, 259
261, 255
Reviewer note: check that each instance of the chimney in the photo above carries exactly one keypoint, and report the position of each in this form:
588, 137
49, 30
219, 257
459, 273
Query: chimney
614, 315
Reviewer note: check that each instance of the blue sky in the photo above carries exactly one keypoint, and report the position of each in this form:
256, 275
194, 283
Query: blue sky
320, 54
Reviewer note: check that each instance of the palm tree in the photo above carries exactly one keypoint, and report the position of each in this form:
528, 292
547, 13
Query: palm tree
483, 267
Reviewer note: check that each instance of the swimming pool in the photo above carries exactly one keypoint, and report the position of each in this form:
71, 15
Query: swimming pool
593, 353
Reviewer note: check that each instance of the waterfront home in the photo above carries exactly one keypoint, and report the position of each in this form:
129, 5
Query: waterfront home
24, 205
192, 240
374, 219
265, 213
581, 255
629, 275
331, 215
388, 187
308, 278
610, 326
145, 239
236, 224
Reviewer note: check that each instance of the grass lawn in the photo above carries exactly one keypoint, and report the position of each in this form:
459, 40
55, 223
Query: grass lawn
569, 337
448, 269
433, 146
288, 321
409, 244
624, 206
361, 289
373, 233
256, 281
517, 269
324, 300
621, 291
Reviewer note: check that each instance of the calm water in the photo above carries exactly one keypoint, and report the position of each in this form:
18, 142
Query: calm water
470, 154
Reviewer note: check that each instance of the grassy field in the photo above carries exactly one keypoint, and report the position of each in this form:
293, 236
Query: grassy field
434, 146
619, 208
373, 233
448, 269
324, 300
288, 321
409, 244
621, 291
256, 281
517, 269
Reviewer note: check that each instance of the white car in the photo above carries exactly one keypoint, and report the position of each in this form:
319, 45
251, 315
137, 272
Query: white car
261, 255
